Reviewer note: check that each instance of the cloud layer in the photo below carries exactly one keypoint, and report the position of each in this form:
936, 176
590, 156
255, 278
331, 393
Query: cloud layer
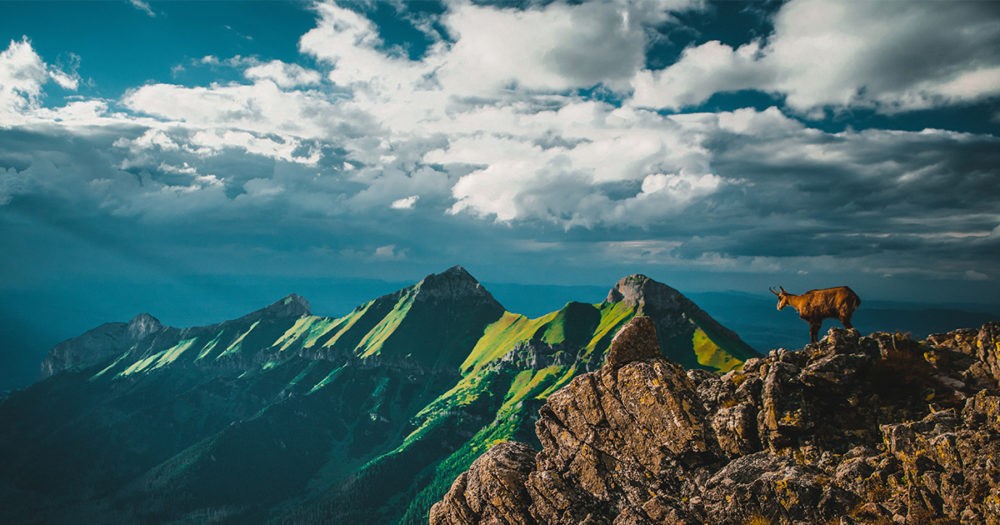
889, 56
549, 143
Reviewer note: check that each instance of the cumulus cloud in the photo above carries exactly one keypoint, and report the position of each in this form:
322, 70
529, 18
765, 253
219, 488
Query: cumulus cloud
283, 74
260, 118
406, 203
887, 56
22, 74
570, 46
349, 42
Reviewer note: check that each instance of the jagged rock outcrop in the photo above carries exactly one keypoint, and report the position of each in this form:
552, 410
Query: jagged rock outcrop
636, 341
492, 490
853, 429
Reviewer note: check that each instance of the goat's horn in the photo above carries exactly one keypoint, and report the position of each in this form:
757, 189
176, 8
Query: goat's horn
782, 289
772, 291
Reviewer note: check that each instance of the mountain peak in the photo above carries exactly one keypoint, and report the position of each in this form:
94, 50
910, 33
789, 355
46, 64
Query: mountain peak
142, 325
454, 283
458, 270
292, 305
639, 290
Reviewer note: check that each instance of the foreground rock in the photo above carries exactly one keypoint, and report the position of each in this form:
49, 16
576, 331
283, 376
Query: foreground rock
876, 429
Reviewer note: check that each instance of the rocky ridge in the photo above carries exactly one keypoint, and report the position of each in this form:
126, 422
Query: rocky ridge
853, 429
99, 344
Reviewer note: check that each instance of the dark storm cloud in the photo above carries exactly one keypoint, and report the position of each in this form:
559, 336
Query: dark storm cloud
881, 199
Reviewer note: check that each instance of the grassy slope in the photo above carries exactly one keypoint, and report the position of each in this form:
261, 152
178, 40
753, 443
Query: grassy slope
387, 443
583, 328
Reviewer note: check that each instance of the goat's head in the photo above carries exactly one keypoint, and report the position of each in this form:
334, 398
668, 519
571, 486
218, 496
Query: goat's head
782, 296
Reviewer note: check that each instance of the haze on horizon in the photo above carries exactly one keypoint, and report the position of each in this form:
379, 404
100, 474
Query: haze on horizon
203, 157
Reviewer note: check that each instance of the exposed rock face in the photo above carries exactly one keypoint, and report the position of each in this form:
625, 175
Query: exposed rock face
636, 341
99, 344
455, 283
876, 429
143, 325
493, 489
637, 289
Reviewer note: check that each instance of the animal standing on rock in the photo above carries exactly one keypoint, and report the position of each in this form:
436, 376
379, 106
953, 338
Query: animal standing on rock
816, 305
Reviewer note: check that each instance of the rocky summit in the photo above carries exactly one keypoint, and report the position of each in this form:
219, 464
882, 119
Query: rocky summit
852, 429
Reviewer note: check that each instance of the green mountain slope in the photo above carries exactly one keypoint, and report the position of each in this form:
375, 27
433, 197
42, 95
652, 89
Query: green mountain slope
284, 416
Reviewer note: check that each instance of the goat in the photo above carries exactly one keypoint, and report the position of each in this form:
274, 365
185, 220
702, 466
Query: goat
816, 305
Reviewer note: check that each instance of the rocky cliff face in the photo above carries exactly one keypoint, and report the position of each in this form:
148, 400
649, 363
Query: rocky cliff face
875, 429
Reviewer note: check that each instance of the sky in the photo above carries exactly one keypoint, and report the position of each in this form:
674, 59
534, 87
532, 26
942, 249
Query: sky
193, 158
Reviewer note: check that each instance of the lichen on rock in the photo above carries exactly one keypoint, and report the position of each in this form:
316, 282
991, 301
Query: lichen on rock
634, 342
853, 429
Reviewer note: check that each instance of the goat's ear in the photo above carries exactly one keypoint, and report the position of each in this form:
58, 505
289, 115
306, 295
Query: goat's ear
772, 291
782, 289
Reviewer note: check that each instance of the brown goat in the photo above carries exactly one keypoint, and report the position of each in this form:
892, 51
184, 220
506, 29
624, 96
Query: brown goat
816, 305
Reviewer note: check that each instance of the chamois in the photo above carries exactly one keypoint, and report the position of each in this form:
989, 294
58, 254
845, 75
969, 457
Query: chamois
816, 305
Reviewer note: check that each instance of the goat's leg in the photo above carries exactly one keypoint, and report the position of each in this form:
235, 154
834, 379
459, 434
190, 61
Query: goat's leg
846, 321
813, 331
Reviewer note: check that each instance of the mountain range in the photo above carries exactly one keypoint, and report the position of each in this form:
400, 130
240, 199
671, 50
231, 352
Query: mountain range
282, 416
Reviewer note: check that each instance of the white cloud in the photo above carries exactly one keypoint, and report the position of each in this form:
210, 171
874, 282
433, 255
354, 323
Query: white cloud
389, 252
22, 74
260, 118
615, 166
65, 80
263, 188
210, 142
150, 139
700, 72
283, 74
348, 41
143, 6
890, 56
484, 65
185, 168
561, 46
406, 203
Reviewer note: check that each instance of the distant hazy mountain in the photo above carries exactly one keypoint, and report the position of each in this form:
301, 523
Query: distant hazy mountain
284, 416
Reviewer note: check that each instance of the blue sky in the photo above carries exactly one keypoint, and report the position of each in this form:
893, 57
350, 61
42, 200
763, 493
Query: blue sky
190, 155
